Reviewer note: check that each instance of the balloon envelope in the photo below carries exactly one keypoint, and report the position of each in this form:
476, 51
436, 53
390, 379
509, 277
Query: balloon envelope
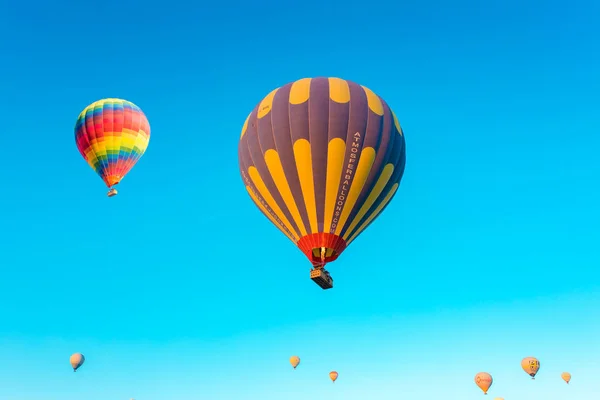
333, 376
484, 381
530, 365
76, 360
294, 360
112, 135
321, 158
566, 377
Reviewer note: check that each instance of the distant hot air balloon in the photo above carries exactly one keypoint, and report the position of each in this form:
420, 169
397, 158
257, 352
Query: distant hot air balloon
531, 365
484, 381
566, 377
333, 376
112, 135
294, 360
499, 398
321, 158
76, 361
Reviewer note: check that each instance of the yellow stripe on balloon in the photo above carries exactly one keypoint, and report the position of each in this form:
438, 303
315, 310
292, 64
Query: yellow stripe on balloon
269, 215
335, 165
300, 91
264, 192
266, 104
245, 127
375, 213
99, 151
141, 143
339, 91
111, 144
118, 139
303, 157
278, 175
374, 101
367, 157
397, 123
384, 178
128, 140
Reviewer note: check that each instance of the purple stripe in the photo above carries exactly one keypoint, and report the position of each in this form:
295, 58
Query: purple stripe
318, 111
280, 120
384, 126
357, 124
339, 114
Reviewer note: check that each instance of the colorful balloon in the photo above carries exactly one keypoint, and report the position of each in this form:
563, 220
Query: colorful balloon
484, 381
322, 158
333, 376
566, 377
76, 361
531, 365
294, 360
112, 135
499, 398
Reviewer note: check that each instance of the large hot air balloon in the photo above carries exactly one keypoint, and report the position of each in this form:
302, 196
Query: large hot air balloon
294, 360
112, 135
484, 381
76, 361
321, 158
566, 377
333, 376
499, 398
531, 365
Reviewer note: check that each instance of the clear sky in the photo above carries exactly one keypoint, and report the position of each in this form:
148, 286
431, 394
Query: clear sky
489, 252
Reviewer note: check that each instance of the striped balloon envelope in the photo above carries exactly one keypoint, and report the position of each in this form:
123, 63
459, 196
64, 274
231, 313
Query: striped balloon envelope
112, 135
322, 158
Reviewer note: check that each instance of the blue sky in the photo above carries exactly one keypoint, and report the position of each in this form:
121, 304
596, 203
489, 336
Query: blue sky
487, 254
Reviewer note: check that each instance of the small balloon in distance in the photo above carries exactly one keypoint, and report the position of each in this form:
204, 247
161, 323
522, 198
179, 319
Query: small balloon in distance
76, 361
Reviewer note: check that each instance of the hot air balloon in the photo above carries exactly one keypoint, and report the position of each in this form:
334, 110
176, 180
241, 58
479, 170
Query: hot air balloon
531, 365
112, 135
484, 381
566, 377
333, 376
499, 398
76, 361
294, 360
321, 158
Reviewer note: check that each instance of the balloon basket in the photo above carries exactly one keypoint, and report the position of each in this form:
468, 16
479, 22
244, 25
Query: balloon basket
321, 277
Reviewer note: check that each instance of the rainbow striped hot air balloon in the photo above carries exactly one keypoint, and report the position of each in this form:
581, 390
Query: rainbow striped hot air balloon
322, 158
112, 135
